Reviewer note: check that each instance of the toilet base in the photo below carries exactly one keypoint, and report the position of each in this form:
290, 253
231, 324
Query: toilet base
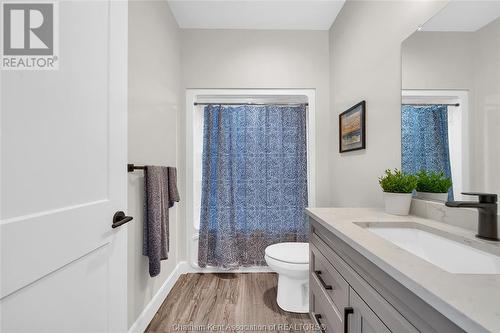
293, 294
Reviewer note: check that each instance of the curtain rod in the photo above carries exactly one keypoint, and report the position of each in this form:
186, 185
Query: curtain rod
430, 104
284, 104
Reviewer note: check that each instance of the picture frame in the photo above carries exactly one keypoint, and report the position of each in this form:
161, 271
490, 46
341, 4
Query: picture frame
352, 128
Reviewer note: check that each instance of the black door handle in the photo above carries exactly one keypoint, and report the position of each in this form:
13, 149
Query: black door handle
347, 311
320, 278
119, 219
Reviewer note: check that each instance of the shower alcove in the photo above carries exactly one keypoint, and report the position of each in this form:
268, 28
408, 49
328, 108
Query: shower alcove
196, 99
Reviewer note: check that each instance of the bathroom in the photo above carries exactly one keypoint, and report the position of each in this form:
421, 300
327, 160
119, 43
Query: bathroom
341, 91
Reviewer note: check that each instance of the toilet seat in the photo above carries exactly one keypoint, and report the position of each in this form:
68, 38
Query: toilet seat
292, 253
290, 268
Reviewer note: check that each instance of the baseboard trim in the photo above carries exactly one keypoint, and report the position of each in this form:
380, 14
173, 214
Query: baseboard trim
150, 310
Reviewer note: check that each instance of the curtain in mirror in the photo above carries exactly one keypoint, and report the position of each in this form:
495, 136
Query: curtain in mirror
254, 182
424, 135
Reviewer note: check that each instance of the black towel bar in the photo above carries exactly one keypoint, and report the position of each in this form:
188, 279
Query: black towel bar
132, 167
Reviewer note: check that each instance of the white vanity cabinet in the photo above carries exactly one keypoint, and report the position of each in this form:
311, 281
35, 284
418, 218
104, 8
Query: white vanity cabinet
350, 294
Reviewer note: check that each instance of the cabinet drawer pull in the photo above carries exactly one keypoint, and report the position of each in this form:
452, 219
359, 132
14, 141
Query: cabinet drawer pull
317, 318
323, 284
347, 311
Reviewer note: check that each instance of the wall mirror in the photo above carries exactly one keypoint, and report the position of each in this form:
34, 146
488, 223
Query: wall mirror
450, 112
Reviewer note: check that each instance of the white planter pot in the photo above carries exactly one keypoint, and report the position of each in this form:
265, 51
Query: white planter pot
397, 203
432, 196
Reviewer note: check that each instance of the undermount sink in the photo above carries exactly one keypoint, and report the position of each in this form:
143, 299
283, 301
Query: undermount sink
450, 255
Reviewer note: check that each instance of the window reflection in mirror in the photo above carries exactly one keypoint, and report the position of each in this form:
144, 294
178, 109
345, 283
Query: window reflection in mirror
450, 113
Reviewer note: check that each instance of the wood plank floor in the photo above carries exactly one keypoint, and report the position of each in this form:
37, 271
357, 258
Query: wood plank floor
218, 302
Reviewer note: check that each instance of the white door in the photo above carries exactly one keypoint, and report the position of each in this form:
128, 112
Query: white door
63, 176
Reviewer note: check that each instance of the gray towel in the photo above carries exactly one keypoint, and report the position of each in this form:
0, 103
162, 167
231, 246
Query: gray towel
160, 187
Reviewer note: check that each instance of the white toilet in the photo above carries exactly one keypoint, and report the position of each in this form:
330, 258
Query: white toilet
291, 262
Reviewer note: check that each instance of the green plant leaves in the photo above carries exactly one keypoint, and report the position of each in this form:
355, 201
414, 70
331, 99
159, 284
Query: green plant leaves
398, 182
433, 182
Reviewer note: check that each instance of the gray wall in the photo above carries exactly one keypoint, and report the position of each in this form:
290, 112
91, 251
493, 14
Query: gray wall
266, 59
153, 106
437, 60
365, 64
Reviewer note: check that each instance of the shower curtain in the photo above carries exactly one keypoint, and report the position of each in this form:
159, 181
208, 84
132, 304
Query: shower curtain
424, 135
254, 182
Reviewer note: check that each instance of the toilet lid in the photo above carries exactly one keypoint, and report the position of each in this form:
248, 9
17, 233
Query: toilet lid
295, 253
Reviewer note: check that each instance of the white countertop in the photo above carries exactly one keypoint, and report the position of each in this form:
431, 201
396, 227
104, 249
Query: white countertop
471, 301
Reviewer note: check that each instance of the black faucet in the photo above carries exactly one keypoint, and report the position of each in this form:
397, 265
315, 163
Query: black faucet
488, 218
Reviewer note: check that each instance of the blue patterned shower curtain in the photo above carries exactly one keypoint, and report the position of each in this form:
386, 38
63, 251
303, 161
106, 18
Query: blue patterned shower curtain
254, 182
424, 132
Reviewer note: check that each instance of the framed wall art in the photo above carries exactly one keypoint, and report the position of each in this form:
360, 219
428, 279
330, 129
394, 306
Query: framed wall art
352, 128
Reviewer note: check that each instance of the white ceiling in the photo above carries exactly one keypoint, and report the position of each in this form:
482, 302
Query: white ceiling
256, 14
464, 16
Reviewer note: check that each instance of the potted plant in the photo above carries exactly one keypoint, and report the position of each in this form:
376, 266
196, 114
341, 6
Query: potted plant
433, 185
398, 187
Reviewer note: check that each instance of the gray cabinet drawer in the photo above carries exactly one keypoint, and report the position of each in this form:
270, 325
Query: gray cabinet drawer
352, 283
329, 279
322, 307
